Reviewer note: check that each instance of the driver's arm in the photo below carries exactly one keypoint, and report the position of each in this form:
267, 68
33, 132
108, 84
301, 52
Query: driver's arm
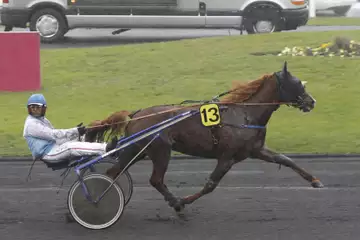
39, 130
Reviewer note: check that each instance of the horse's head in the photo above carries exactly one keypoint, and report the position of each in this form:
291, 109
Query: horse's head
292, 90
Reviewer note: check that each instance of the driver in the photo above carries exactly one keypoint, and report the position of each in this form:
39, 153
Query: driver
48, 143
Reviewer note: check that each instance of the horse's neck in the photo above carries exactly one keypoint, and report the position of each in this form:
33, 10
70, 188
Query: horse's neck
261, 114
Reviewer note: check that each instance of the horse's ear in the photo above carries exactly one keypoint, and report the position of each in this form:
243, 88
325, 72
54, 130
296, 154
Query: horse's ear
285, 67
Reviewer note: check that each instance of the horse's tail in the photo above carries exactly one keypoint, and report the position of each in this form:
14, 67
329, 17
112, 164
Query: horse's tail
112, 125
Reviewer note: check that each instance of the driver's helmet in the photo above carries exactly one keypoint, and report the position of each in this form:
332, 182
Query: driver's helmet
36, 101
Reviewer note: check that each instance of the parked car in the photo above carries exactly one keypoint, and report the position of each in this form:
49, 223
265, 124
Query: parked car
54, 18
339, 7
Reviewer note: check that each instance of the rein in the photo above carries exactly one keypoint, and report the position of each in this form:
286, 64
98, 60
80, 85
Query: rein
196, 105
214, 99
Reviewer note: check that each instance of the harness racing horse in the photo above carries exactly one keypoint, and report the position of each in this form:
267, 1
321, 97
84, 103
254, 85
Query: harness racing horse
240, 134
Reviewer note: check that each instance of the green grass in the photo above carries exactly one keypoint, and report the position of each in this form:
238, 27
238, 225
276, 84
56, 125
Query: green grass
87, 84
334, 21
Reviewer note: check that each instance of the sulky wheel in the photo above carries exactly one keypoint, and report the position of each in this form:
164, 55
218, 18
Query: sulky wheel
125, 181
102, 214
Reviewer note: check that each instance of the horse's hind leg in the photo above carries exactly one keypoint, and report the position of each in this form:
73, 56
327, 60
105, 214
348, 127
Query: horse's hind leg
273, 157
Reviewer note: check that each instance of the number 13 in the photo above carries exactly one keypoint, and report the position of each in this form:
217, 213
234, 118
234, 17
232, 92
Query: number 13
210, 114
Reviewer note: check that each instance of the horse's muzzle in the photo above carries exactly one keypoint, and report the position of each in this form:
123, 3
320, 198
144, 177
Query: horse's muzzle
306, 103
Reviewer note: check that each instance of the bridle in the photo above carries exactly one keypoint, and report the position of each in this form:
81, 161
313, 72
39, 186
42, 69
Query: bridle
285, 96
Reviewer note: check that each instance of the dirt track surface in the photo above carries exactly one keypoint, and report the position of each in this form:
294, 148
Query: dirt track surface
255, 200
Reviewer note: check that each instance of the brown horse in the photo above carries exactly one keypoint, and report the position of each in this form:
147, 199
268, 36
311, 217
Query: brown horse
229, 142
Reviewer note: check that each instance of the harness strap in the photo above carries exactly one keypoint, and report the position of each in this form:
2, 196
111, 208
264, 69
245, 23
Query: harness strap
245, 126
215, 131
215, 136
213, 99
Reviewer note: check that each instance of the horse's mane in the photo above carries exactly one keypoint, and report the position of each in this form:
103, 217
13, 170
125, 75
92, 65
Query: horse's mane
114, 123
242, 91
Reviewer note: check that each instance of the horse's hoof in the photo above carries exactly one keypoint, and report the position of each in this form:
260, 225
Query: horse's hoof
179, 208
182, 216
317, 184
177, 204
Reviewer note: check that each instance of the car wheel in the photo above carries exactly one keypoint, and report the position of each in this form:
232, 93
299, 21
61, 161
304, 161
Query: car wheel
49, 23
263, 27
254, 21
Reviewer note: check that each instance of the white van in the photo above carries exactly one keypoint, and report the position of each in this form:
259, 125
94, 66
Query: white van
54, 18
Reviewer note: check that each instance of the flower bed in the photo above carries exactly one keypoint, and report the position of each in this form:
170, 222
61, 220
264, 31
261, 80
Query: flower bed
341, 47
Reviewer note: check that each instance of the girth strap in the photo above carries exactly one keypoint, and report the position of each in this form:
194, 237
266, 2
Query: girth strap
215, 131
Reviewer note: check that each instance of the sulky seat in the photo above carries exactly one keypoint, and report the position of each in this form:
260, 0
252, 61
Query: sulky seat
67, 162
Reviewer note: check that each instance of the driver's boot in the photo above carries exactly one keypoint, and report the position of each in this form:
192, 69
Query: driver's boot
111, 145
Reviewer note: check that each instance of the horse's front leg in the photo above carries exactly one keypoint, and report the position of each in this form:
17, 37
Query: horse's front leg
222, 167
274, 157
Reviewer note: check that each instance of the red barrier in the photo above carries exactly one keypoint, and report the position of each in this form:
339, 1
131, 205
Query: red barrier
19, 61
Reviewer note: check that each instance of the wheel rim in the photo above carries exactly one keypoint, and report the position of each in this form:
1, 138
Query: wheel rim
47, 26
263, 27
83, 211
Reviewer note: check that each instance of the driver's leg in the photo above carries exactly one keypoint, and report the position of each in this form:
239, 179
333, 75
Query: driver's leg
78, 149
75, 149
